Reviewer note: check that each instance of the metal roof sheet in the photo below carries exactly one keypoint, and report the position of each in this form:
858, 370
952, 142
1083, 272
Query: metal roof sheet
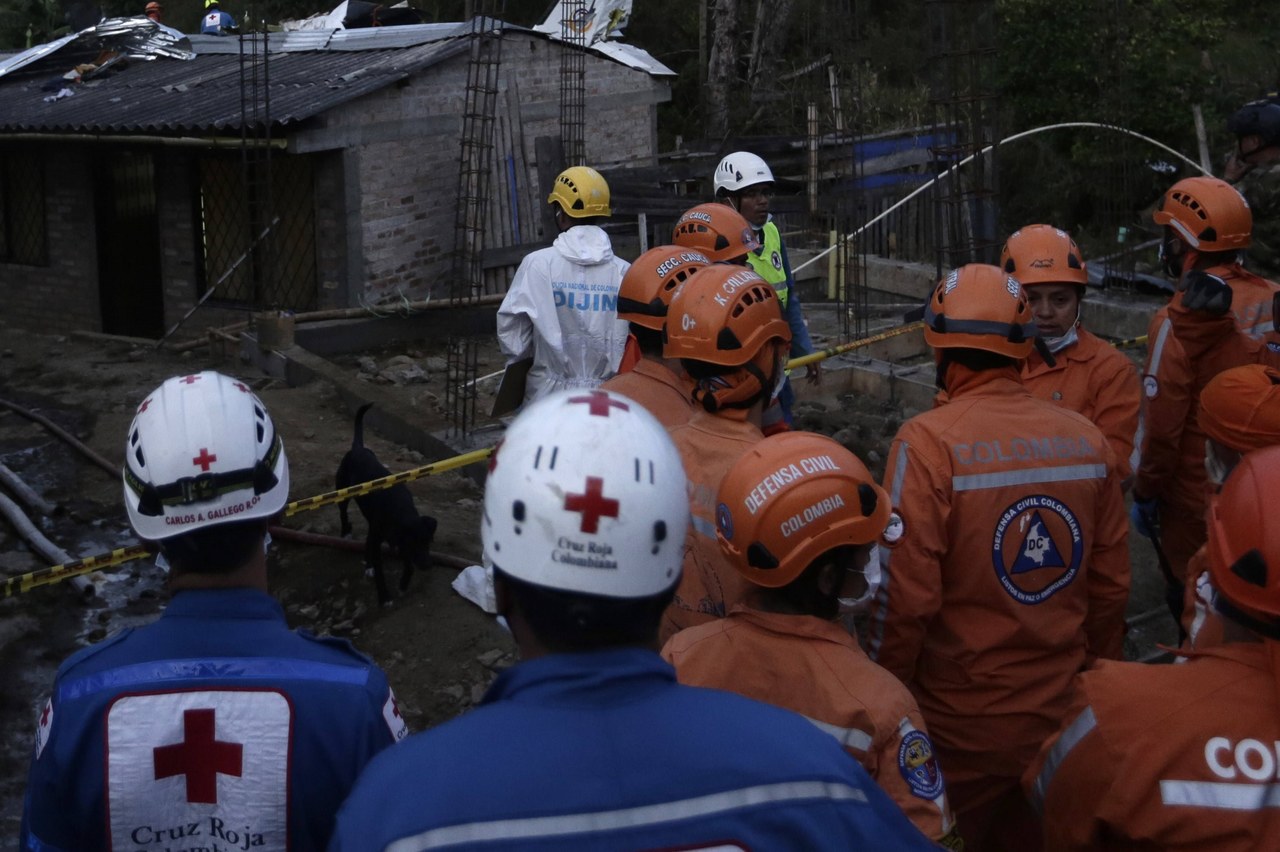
204, 96
309, 72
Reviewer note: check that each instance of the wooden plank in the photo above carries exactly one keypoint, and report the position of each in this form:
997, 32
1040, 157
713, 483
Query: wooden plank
526, 187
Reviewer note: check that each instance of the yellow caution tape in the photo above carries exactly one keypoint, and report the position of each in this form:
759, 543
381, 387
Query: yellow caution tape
56, 574
24, 583
330, 497
831, 352
1130, 342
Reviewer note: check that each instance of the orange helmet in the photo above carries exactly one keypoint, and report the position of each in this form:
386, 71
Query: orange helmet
1043, 254
1240, 408
791, 498
716, 230
979, 307
649, 284
1244, 544
723, 315
1208, 214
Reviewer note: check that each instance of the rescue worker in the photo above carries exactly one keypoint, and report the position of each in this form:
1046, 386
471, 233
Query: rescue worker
217, 22
1239, 412
659, 384
1254, 169
215, 725
726, 328
561, 308
745, 182
801, 519
1014, 575
1206, 224
1088, 375
716, 231
589, 742
1183, 757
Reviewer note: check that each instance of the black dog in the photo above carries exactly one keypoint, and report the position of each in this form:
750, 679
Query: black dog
390, 513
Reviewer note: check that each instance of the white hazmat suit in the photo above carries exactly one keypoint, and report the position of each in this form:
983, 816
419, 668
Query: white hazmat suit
562, 308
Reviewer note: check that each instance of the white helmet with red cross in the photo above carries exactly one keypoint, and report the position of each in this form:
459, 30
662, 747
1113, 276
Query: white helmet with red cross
586, 493
202, 451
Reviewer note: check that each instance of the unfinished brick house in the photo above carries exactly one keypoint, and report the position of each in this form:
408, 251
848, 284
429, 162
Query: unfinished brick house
127, 200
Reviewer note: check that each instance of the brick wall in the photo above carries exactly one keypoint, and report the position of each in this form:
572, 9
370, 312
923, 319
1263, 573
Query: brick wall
62, 296
407, 185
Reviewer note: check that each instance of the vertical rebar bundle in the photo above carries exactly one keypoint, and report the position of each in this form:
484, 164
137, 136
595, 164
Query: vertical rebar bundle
255, 154
573, 86
474, 165
962, 62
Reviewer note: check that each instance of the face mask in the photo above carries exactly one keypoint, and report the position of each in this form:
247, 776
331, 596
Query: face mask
1057, 344
871, 573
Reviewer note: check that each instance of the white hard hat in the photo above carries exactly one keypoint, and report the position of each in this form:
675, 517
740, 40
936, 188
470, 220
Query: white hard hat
739, 170
202, 451
586, 493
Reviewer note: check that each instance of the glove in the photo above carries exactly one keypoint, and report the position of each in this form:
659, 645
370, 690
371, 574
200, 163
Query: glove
1206, 293
1146, 517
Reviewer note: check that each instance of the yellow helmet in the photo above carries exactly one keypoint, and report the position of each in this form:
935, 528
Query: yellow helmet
581, 192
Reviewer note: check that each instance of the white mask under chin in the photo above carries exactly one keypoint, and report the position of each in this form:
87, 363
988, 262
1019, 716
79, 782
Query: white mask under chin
871, 572
1057, 344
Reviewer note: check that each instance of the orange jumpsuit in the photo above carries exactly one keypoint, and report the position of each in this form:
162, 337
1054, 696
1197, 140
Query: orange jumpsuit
709, 444
650, 383
1171, 443
814, 667
1097, 380
1012, 576
1173, 758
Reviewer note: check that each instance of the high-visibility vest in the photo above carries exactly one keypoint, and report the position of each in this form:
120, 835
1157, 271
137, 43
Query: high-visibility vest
767, 261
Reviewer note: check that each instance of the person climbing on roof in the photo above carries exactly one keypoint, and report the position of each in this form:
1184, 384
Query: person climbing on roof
216, 21
808, 546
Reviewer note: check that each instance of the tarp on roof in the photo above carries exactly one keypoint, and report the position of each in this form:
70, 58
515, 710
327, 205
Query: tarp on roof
134, 37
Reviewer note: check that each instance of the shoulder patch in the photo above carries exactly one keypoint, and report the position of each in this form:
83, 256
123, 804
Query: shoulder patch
44, 724
391, 715
919, 765
1150, 387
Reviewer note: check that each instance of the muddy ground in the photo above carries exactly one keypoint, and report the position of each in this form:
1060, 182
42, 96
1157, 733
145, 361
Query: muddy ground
440, 651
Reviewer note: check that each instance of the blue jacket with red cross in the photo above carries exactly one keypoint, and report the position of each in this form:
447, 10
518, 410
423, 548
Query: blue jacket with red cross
216, 726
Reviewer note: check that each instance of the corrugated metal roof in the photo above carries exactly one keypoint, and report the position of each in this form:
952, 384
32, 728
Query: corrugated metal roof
309, 72
203, 95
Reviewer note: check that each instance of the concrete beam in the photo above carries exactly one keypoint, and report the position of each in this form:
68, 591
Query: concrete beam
391, 416
331, 337
909, 387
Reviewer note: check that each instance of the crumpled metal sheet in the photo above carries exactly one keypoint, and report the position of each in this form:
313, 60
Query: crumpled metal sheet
136, 37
